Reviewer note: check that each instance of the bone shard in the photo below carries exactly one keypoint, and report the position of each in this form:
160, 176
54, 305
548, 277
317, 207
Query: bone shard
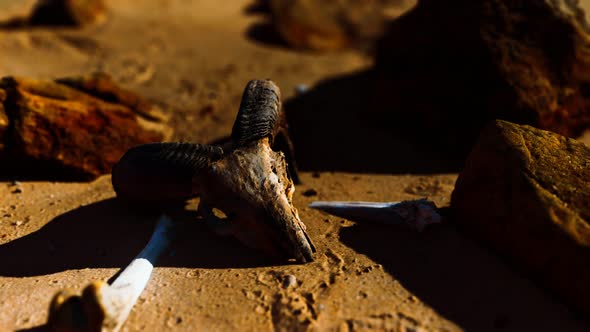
104, 307
412, 214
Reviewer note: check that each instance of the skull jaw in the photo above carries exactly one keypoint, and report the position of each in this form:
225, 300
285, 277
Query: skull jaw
252, 186
254, 229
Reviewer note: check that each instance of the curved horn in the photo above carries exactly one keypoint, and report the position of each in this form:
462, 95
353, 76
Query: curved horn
162, 172
259, 114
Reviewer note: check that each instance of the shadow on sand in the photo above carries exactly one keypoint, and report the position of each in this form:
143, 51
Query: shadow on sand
460, 280
340, 125
107, 234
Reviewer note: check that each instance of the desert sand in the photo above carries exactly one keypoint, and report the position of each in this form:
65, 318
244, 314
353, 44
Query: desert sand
194, 58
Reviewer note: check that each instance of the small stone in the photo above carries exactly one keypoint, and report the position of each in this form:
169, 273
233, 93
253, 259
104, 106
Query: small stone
17, 223
310, 193
301, 89
18, 189
289, 281
260, 310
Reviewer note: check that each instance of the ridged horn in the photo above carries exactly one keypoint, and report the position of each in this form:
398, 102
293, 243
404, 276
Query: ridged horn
162, 172
259, 113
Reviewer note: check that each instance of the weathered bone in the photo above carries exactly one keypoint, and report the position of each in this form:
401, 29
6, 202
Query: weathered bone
104, 307
415, 214
246, 179
252, 187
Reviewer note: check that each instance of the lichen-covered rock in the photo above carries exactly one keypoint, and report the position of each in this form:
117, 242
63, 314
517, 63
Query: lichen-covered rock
68, 12
83, 132
526, 193
451, 63
331, 25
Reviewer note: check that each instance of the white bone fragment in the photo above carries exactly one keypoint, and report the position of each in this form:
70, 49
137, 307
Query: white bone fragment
104, 307
414, 214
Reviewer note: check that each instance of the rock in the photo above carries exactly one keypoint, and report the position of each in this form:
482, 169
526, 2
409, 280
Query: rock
3, 120
526, 193
102, 86
448, 63
331, 25
68, 12
82, 131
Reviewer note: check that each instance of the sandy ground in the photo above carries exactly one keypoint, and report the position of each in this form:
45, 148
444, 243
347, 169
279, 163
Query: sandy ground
194, 58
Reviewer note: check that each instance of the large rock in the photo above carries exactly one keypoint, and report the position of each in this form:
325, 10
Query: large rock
526, 192
83, 131
333, 25
457, 64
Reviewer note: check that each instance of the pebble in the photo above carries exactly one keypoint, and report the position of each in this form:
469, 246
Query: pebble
310, 192
18, 189
301, 89
289, 281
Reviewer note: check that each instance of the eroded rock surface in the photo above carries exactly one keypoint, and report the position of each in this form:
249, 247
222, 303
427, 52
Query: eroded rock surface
447, 64
81, 131
526, 192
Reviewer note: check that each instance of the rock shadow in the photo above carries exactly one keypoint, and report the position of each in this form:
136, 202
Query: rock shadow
28, 169
341, 125
460, 280
107, 234
40, 328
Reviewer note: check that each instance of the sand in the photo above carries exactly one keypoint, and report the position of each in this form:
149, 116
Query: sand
194, 58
